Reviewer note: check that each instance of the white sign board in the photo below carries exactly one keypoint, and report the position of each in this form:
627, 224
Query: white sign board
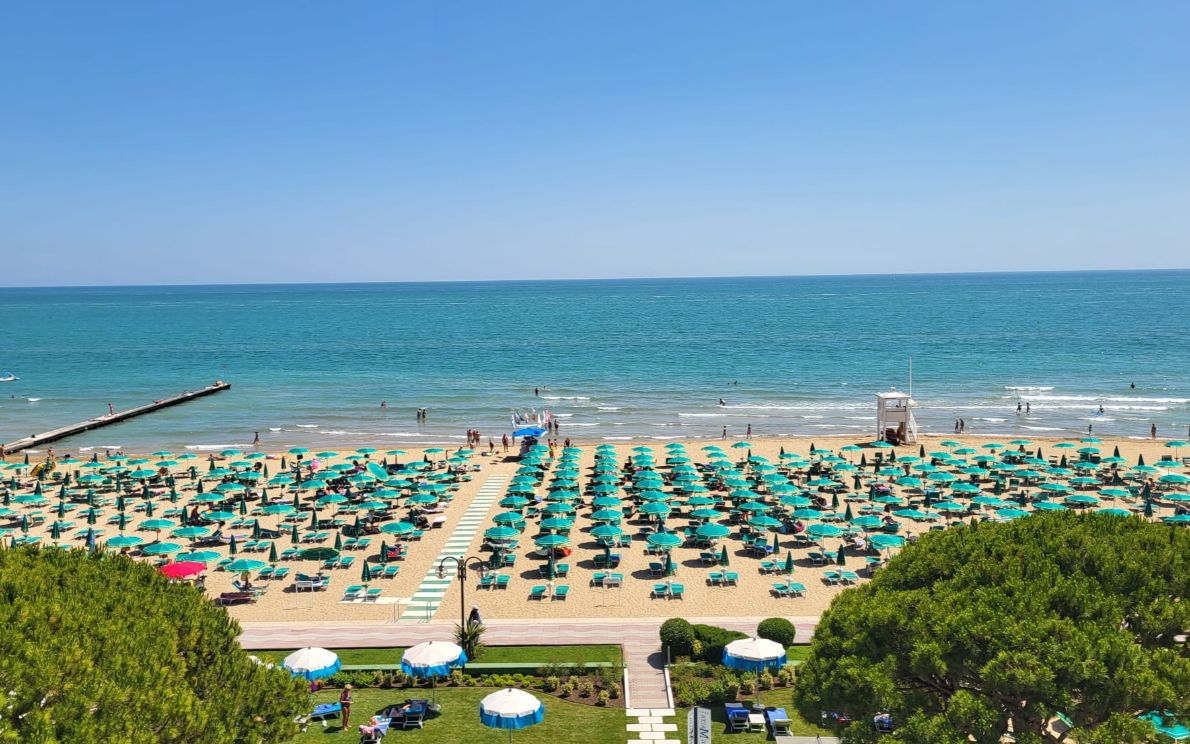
698, 726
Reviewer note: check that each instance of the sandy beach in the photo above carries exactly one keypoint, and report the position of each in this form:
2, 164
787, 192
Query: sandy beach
751, 594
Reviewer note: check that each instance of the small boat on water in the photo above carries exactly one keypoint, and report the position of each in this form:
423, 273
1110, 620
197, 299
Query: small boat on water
8, 377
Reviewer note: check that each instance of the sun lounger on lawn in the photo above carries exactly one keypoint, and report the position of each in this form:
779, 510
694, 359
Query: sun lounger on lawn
375, 733
320, 713
779, 722
737, 717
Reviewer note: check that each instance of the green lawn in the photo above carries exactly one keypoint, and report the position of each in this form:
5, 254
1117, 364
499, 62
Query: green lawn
775, 698
491, 655
459, 720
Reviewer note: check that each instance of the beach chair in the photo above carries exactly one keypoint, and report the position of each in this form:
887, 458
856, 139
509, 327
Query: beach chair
779, 723
737, 717
325, 712
561, 591
502, 581
415, 715
352, 593
391, 570
227, 599
376, 734
537, 592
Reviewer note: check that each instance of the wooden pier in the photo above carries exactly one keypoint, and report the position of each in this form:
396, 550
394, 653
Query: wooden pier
101, 421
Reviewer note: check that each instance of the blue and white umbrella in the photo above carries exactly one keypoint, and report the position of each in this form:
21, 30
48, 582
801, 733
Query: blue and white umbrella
312, 663
754, 655
431, 660
510, 709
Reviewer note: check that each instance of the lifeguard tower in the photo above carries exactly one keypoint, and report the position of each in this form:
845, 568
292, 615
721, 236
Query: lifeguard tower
894, 418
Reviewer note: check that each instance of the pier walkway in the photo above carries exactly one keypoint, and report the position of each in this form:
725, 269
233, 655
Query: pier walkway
113, 418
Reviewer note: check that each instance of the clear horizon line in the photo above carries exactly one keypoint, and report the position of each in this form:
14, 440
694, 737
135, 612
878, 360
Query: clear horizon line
600, 278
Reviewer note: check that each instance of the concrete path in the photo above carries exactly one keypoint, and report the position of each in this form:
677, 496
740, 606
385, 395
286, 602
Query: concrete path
425, 601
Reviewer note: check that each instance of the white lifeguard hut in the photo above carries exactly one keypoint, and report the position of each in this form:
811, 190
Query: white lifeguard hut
894, 417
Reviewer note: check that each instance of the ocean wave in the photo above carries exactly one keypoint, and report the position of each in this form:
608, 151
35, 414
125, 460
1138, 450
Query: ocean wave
1104, 398
215, 447
839, 406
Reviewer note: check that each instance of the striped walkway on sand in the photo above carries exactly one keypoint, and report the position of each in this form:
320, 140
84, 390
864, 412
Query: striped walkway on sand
424, 602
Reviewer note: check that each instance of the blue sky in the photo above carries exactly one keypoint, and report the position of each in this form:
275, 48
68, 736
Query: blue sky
147, 142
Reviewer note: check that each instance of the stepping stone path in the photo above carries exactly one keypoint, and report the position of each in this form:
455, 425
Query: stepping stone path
649, 725
424, 602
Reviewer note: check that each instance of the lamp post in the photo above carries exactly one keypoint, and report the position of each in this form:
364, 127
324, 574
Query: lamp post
461, 566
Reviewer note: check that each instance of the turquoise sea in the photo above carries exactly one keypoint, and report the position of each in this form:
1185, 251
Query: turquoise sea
614, 359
